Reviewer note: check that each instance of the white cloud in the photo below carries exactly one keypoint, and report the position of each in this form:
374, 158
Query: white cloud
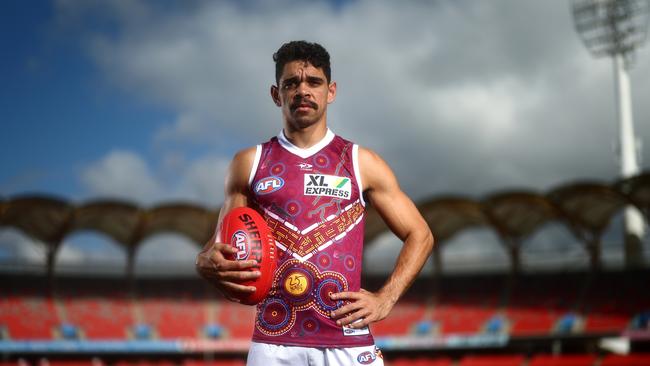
380, 256
459, 95
166, 252
18, 247
204, 181
90, 252
69, 255
463, 97
187, 127
128, 175
122, 174
474, 249
553, 247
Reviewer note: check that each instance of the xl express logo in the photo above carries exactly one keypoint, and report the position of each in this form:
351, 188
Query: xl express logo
327, 185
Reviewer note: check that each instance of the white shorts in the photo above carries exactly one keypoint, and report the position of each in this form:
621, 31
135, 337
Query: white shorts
264, 354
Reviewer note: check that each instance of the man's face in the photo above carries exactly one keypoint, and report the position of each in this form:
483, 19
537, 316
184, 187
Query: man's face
303, 94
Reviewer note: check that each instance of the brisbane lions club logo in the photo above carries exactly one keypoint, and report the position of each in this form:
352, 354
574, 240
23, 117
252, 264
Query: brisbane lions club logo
268, 185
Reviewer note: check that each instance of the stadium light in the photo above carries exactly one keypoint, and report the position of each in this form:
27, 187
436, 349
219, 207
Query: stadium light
615, 28
611, 27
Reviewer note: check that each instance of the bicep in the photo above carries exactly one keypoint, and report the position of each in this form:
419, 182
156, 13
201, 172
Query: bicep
385, 195
235, 193
398, 211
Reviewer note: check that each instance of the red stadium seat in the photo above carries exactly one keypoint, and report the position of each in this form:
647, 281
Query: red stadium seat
106, 317
401, 319
598, 322
563, 360
419, 361
222, 362
174, 318
93, 362
529, 321
604, 310
238, 319
191, 362
28, 317
462, 318
642, 359
492, 360
145, 362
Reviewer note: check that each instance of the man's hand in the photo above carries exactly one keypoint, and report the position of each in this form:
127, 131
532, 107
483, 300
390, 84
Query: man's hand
365, 305
224, 274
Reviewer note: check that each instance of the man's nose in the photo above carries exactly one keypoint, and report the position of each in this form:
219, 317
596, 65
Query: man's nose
303, 90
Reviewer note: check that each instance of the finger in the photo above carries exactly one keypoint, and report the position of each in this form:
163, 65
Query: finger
235, 287
360, 323
343, 310
348, 320
225, 248
221, 264
345, 295
239, 275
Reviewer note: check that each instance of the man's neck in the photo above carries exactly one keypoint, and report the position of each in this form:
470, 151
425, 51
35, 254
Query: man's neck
306, 137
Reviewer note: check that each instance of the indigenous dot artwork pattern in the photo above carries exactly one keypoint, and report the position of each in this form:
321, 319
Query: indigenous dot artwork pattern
297, 287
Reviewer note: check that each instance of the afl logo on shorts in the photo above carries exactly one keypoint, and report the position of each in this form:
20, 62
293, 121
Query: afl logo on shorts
268, 185
240, 239
366, 358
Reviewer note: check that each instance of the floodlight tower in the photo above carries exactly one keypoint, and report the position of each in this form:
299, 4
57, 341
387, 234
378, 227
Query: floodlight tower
615, 28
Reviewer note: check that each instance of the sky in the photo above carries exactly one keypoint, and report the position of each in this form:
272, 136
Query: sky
147, 101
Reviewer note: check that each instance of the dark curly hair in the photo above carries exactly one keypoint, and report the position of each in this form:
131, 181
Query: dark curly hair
313, 53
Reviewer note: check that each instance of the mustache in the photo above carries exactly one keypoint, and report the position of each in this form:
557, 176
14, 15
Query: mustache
298, 102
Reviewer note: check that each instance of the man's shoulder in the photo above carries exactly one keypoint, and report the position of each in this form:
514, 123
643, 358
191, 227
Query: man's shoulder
366, 153
244, 155
373, 168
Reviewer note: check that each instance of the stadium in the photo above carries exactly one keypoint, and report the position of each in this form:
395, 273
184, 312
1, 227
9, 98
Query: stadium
120, 120
520, 316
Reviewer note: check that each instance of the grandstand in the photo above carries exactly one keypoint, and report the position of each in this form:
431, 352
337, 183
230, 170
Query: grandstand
515, 317
466, 319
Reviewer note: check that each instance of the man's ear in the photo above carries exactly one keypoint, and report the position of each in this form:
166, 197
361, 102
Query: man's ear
275, 94
331, 92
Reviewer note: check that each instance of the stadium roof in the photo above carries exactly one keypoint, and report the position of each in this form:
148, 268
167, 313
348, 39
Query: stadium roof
585, 207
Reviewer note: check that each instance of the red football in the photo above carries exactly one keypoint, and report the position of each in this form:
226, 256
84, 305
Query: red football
246, 230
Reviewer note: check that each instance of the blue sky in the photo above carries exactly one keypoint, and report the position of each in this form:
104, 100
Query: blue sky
59, 114
147, 101
78, 88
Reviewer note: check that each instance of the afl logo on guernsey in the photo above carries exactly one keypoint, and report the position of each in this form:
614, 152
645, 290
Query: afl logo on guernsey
268, 185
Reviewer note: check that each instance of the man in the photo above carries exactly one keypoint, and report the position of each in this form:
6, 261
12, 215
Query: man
309, 184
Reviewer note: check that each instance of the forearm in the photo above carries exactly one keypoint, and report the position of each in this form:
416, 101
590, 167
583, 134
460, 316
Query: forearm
415, 251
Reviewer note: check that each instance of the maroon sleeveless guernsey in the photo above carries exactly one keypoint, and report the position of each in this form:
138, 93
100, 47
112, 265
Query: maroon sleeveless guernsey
312, 201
